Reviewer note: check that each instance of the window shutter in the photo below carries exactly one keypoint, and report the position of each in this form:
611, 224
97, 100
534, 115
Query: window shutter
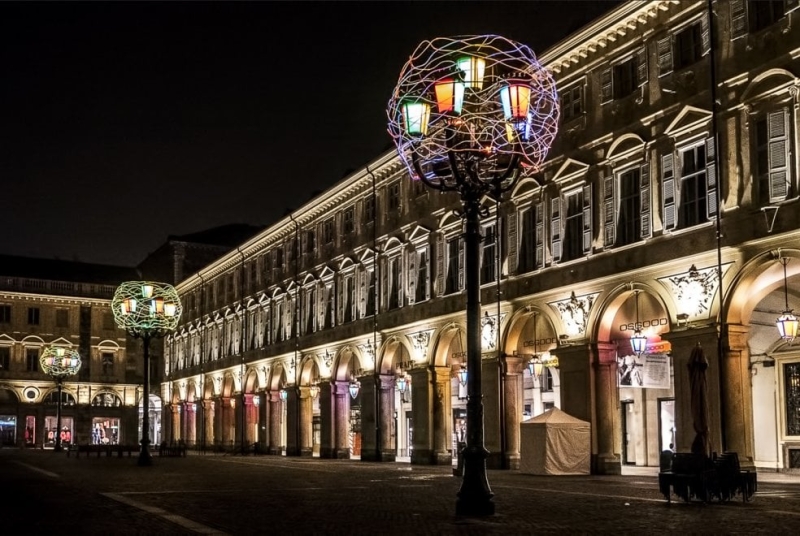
641, 66
540, 234
461, 265
605, 85
512, 241
385, 289
790, 5
705, 34
665, 55
341, 296
555, 227
609, 216
362, 290
440, 272
428, 276
668, 190
399, 285
738, 18
644, 200
712, 198
411, 275
778, 132
587, 219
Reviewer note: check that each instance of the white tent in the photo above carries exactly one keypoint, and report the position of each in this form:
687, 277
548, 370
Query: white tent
555, 443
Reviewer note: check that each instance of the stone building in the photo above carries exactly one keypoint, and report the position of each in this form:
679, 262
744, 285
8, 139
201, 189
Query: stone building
666, 208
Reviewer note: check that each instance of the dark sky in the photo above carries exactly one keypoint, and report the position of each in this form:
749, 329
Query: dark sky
123, 123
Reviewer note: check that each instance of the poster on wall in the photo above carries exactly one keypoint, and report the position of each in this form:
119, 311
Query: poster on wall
648, 371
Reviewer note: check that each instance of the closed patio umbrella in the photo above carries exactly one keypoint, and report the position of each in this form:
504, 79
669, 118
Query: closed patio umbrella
698, 364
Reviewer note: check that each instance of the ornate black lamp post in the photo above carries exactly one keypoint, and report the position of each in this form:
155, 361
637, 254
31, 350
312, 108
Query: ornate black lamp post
59, 362
146, 310
472, 114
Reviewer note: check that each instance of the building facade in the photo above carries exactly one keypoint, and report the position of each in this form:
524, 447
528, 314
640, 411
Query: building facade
668, 205
50, 302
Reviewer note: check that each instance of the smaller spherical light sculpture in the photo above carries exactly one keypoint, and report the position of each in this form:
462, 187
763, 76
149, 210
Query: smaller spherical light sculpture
59, 362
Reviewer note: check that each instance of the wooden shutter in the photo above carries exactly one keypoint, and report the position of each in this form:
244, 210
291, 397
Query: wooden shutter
440, 271
738, 12
644, 201
512, 240
778, 154
665, 55
609, 212
428, 274
587, 219
555, 227
705, 34
362, 292
668, 191
540, 234
712, 195
411, 275
641, 66
605, 86
461, 264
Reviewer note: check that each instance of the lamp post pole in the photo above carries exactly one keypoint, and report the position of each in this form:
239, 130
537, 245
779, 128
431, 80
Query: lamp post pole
59, 362
470, 115
146, 310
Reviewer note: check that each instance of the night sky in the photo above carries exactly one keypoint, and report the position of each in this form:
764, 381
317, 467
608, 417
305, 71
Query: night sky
123, 123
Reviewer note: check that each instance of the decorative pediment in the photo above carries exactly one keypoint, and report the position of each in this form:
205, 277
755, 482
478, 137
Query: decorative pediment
449, 218
525, 187
625, 146
5, 339
309, 280
768, 83
687, 120
420, 341
366, 256
419, 234
393, 243
570, 169
327, 273
61, 341
347, 264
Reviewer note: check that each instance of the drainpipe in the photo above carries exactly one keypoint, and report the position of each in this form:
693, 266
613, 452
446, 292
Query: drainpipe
243, 345
296, 326
376, 305
501, 362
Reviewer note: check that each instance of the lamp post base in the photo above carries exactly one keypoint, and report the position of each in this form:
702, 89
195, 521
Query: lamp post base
475, 496
145, 458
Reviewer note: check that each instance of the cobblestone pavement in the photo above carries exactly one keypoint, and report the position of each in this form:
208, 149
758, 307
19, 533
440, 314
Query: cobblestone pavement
49, 493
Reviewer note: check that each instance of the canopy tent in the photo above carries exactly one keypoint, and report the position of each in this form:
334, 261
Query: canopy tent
555, 443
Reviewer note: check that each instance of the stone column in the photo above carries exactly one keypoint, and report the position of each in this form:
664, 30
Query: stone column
200, 424
275, 415
306, 423
492, 412
224, 409
212, 423
327, 447
387, 422
442, 417
682, 343
369, 418
608, 428
513, 398
166, 419
422, 415
250, 420
293, 421
264, 413
341, 399
238, 420
737, 396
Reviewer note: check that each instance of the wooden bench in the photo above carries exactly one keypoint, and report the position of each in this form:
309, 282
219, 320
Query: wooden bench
693, 477
172, 451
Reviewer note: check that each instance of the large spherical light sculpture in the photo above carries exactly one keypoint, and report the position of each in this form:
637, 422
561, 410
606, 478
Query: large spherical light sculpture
146, 310
59, 362
472, 114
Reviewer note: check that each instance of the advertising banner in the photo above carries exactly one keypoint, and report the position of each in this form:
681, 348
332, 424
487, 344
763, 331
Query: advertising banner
650, 371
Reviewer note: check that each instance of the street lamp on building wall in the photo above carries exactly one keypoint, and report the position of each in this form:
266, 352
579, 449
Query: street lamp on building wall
59, 362
146, 310
471, 114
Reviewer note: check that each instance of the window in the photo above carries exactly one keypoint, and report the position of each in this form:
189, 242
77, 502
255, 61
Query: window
791, 377
279, 258
688, 46
628, 228
5, 357
369, 209
418, 188
370, 309
33, 316
422, 276
292, 247
623, 78
571, 103
62, 318
311, 241
488, 257
5, 314
547, 380
394, 283
327, 231
764, 13
311, 309
107, 361
531, 239
348, 220
394, 196
572, 238
772, 156
329, 305
453, 265
694, 200
32, 359
347, 297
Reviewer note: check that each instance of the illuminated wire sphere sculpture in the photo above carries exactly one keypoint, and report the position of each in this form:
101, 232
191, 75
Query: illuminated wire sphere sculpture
59, 362
146, 307
146, 310
473, 108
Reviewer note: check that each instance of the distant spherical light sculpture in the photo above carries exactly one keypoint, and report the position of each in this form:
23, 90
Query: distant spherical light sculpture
59, 362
